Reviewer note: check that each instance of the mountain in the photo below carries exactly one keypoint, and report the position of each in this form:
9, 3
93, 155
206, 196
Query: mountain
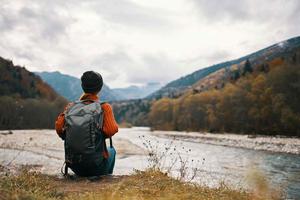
70, 87
263, 59
136, 92
177, 87
255, 94
255, 98
26, 101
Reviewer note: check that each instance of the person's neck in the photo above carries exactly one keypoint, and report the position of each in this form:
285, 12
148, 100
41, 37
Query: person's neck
91, 96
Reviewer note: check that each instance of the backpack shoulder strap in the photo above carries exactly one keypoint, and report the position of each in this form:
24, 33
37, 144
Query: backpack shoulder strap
69, 106
85, 100
110, 142
64, 169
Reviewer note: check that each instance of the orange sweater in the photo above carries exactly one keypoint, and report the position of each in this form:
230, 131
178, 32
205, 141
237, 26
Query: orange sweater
110, 126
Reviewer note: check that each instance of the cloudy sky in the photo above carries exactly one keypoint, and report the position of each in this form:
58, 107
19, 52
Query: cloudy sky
139, 41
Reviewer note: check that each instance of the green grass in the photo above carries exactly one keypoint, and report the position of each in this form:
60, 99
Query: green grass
146, 185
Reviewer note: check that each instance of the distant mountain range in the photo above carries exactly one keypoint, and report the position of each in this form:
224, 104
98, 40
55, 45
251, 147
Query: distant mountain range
137, 92
70, 88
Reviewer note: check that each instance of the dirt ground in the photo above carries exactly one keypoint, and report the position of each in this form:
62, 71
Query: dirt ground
82, 185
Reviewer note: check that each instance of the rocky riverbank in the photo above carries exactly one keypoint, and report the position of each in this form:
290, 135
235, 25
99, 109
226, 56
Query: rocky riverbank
274, 144
43, 150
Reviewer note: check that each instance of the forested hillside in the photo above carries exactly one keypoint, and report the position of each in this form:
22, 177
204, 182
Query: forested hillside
265, 101
134, 112
26, 101
258, 95
70, 87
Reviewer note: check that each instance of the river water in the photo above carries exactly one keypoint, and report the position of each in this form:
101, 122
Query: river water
203, 163
234, 166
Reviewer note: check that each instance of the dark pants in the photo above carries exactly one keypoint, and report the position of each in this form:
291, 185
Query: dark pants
90, 169
109, 163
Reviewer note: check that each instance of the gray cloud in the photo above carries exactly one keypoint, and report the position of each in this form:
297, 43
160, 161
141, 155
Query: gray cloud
294, 19
46, 21
43, 20
130, 14
115, 64
134, 42
159, 68
249, 10
7, 20
120, 65
219, 55
215, 10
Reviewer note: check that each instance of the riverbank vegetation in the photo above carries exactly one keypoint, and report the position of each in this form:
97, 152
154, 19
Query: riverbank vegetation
150, 184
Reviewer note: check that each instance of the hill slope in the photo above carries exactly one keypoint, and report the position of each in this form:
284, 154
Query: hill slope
23, 93
178, 86
264, 100
70, 87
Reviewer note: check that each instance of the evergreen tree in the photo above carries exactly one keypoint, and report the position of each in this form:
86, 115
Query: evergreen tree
247, 67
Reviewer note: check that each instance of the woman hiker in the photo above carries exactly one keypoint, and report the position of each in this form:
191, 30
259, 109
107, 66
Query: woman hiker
84, 125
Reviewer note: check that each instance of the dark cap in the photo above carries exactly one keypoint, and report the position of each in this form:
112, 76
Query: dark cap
91, 82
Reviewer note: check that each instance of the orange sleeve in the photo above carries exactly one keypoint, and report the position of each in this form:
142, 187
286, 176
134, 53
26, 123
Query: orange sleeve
110, 126
60, 123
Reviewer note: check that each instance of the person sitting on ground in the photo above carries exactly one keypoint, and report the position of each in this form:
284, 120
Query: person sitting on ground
84, 125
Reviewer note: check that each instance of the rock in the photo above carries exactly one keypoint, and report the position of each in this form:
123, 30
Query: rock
6, 132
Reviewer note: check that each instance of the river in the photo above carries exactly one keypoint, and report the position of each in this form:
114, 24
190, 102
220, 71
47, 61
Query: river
210, 164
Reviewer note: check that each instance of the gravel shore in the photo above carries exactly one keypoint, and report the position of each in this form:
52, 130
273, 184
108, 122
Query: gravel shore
43, 150
267, 143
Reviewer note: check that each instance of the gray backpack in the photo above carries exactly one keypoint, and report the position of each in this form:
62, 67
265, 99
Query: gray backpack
84, 142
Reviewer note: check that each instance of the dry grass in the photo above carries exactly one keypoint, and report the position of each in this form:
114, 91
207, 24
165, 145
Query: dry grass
150, 184
261, 187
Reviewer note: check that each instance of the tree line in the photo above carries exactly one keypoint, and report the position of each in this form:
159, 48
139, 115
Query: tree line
17, 113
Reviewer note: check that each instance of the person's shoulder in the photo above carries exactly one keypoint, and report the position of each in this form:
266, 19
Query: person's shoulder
105, 106
68, 106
